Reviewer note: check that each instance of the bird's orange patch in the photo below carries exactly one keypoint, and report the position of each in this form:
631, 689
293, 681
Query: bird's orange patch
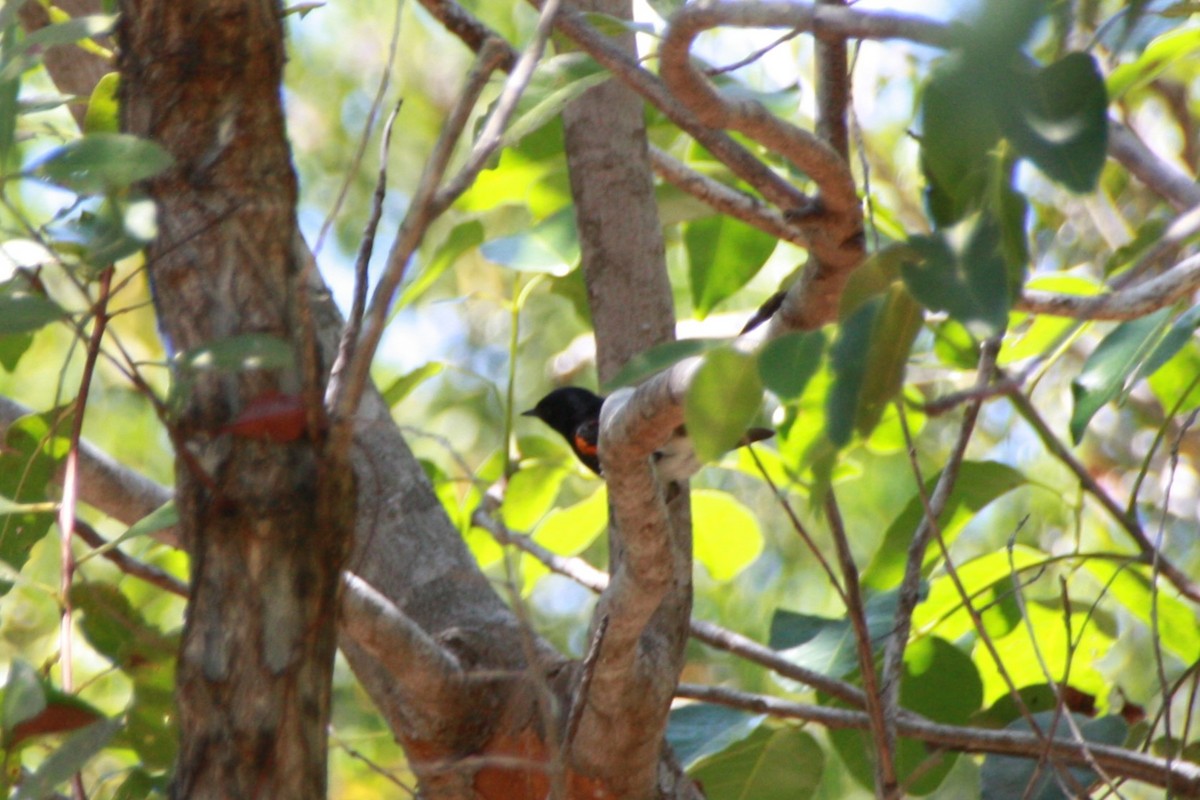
586, 447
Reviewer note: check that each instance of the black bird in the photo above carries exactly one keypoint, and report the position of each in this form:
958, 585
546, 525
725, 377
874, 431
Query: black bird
575, 413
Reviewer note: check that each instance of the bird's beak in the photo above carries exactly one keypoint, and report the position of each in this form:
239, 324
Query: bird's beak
530, 413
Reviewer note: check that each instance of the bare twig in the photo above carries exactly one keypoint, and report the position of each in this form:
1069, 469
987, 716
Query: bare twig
70, 499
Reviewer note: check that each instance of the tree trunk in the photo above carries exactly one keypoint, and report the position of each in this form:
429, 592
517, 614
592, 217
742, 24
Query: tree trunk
266, 526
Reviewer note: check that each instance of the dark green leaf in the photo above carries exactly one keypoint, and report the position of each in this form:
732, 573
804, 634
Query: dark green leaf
22, 311
150, 728
68, 759
1008, 776
723, 255
782, 764
978, 484
102, 162
1059, 121
848, 360
959, 132
12, 347
237, 353
1107, 371
1175, 340
698, 730
722, 402
788, 363
400, 388
557, 82
10, 89
140, 784
658, 358
827, 645
972, 287
609, 25
941, 683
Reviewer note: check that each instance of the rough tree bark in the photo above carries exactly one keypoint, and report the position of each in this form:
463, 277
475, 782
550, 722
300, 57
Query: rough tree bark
268, 529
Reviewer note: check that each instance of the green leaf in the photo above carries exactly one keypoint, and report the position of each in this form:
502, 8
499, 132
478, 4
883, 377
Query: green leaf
658, 358
550, 247
724, 398
68, 759
400, 388
786, 364
1174, 622
1177, 337
1059, 121
569, 531
969, 282
723, 255
979, 483
531, 493
726, 534
117, 630
987, 580
463, 238
848, 360
102, 162
939, 682
698, 730
557, 82
769, 764
245, 351
151, 728
24, 697
827, 644
1010, 776
1176, 46
103, 110
119, 228
34, 447
22, 311
10, 89
1107, 370
896, 327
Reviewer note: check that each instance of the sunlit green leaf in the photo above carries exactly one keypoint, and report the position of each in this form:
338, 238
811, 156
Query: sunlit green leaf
1173, 47
568, 531
723, 255
403, 386
103, 108
726, 534
462, 238
530, 493
979, 483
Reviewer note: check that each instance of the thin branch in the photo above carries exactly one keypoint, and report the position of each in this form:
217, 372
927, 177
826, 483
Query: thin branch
127, 564
1181, 778
70, 484
909, 591
1137, 301
882, 734
1149, 553
710, 633
368, 126
1179, 189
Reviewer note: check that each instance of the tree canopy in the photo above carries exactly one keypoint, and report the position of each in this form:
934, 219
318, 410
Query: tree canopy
945, 252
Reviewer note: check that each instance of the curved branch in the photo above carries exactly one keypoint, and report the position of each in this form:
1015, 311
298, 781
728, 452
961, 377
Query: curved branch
1137, 301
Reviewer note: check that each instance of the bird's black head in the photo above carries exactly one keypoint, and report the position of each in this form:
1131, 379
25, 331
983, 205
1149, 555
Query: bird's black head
566, 409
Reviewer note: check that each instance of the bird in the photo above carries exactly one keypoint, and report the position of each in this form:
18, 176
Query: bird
574, 412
